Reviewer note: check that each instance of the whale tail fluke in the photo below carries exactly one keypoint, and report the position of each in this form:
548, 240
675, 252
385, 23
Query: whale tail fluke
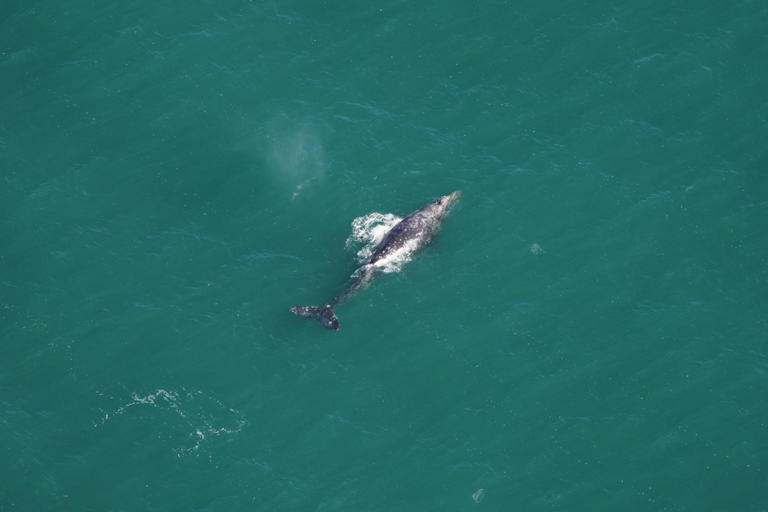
323, 314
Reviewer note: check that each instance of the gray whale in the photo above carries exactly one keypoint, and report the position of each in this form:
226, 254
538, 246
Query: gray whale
411, 234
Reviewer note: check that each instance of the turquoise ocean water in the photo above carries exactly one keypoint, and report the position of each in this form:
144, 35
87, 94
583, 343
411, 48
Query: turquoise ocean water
588, 332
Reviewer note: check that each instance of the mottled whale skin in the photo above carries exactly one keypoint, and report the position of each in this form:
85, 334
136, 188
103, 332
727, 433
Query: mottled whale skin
411, 234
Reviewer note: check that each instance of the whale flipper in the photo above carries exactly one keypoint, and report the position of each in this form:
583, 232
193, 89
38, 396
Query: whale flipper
323, 314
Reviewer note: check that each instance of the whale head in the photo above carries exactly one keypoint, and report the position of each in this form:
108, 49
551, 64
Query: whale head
436, 211
442, 205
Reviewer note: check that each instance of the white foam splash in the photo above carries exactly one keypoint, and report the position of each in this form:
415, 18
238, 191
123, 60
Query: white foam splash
395, 260
368, 231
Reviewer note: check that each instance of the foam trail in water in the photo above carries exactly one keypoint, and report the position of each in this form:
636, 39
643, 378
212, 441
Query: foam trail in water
196, 416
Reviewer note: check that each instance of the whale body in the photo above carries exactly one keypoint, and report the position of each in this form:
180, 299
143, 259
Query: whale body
406, 237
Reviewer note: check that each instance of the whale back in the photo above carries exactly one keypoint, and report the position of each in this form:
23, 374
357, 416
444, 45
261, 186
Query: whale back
416, 229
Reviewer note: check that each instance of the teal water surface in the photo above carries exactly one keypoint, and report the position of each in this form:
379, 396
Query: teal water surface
588, 331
